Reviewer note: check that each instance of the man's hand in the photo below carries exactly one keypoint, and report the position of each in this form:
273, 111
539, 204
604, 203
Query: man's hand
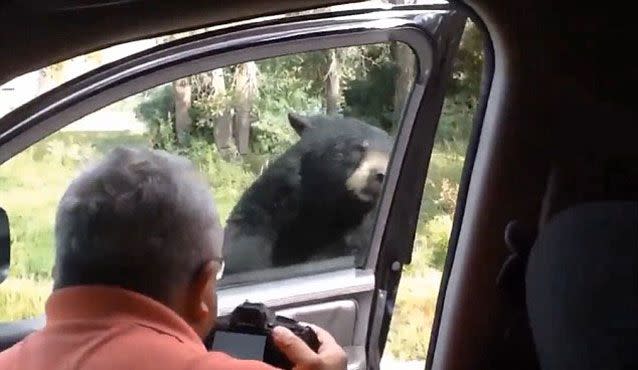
330, 355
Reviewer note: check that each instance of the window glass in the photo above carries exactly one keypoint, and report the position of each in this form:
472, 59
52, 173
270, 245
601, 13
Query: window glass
415, 305
295, 149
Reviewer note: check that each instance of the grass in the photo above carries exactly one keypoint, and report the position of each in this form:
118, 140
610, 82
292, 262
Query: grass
409, 334
21, 298
32, 183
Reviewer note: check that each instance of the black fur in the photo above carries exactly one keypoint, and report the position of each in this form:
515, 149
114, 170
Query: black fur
300, 209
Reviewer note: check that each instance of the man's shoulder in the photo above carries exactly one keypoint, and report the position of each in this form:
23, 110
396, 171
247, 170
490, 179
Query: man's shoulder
168, 352
8, 357
137, 349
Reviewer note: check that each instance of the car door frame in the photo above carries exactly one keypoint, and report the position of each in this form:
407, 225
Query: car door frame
396, 246
110, 83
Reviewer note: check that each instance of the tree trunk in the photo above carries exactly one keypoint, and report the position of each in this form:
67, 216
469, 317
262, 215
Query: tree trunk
404, 78
245, 93
224, 124
405, 61
182, 96
332, 84
182, 99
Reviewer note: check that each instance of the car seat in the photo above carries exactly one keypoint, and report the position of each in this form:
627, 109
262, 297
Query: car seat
582, 288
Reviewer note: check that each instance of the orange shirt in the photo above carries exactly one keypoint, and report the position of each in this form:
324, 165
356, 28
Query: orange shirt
100, 328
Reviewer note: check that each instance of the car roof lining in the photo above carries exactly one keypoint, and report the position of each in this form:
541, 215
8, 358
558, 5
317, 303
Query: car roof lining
32, 29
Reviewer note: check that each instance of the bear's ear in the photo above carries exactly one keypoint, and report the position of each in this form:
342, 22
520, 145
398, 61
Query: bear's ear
299, 123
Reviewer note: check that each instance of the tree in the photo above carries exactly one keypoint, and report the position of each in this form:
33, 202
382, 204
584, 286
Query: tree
332, 88
405, 61
182, 97
369, 90
371, 98
245, 91
467, 69
404, 78
224, 124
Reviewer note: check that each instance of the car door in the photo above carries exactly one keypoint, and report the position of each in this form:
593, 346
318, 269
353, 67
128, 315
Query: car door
349, 294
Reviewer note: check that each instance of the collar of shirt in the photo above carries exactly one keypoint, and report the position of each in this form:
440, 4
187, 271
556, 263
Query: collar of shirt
96, 302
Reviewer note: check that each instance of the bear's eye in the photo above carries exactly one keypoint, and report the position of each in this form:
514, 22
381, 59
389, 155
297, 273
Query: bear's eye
363, 146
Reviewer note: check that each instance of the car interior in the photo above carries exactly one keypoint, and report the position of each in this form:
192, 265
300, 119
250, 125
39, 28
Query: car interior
542, 264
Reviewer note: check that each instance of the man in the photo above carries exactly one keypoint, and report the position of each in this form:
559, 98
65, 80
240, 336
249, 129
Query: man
138, 250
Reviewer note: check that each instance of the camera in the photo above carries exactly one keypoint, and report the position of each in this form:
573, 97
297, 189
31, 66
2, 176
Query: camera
246, 334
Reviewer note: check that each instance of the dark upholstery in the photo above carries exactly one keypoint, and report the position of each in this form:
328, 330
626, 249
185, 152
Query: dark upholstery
582, 288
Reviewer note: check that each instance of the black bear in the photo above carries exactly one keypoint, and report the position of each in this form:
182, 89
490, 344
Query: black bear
314, 201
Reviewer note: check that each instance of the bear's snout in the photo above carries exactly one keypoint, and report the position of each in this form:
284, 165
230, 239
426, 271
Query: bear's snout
366, 181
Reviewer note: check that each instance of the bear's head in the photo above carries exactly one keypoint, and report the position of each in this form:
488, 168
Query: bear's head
341, 158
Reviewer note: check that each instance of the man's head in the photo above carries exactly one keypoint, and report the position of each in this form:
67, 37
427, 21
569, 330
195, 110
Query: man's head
143, 220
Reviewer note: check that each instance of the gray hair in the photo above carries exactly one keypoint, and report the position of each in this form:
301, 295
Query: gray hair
140, 219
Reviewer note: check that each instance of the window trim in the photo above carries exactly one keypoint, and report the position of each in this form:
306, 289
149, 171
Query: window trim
396, 246
318, 287
442, 330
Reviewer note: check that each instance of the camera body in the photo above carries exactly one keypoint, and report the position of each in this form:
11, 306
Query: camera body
255, 319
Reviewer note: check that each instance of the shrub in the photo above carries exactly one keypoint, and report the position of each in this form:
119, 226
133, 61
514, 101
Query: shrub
413, 315
455, 124
156, 111
375, 108
272, 135
447, 197
437, 232
228, 179
22, 298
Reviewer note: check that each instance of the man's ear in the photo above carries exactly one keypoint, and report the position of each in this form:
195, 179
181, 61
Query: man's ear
299, 123
200, 291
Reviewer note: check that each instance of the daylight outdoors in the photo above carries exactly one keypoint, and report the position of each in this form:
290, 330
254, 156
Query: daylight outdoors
231, 122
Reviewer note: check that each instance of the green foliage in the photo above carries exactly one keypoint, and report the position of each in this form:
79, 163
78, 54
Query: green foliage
455, 126
208, 106
228, 179
372, 98
290, 84
157, 105
272, 136
370, 84
357, 62
23, 298
156, 110
468, 64
438, 233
